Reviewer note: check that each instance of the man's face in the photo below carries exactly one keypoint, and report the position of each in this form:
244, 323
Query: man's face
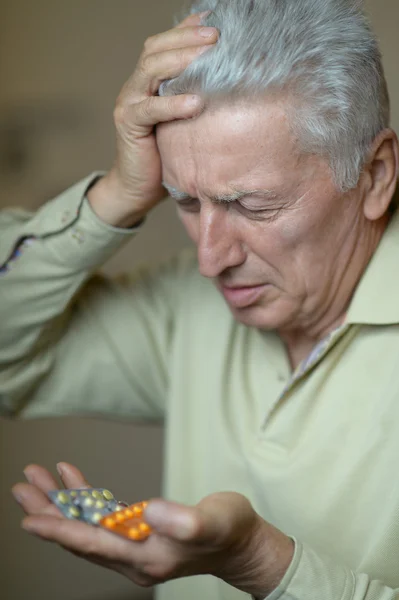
279, 252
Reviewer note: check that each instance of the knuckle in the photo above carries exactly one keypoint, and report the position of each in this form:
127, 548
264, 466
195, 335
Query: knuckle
119, 113
149, 42
145, 65
146, 108
144, 581
184, 57
157, 573
170, 104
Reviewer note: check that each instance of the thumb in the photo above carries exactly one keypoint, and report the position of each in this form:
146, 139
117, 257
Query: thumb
173, 520
214, 520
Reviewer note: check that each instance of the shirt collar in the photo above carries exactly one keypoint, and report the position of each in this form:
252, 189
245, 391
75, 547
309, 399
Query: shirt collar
376, 299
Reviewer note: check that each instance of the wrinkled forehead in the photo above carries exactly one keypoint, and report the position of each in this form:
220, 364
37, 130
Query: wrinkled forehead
241, 143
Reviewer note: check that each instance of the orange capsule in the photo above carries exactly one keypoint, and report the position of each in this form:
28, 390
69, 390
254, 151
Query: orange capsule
144, 504
119, 517
144, 528
134, 533
137, 510
128, 513
109, 522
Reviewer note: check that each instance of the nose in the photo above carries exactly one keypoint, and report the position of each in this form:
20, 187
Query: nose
219, 246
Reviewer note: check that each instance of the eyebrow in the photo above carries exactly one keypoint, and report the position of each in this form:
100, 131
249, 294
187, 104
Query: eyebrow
222, 198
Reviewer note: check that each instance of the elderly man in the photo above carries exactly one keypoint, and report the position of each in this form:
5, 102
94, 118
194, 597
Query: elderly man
273, 354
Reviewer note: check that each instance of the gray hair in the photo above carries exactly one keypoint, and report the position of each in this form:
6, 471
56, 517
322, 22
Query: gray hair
321, 55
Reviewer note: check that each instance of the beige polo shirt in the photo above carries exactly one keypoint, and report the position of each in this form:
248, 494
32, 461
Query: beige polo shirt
317, 452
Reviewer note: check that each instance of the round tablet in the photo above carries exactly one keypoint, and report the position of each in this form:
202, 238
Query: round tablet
62, 497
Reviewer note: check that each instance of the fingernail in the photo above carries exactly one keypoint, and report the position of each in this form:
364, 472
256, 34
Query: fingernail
158, 516
193, 101
207, 32
17, 497
156, 513
28, 476
29, 527
60, 469
184, 527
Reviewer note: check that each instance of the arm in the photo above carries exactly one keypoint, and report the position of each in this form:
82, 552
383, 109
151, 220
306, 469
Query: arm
66, 343
221, 536
69, 342
312, 576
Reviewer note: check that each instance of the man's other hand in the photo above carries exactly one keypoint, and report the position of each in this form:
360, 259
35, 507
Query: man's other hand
221, 536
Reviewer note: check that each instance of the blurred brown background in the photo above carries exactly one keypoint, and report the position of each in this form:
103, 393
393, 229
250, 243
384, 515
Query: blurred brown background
61, 67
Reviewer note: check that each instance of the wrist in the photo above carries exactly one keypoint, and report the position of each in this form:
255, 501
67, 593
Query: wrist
106, 200
262, 562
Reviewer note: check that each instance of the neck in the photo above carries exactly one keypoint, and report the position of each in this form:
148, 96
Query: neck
300, 340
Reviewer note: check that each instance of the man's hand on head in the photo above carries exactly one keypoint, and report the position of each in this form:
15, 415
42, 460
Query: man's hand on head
134, 184
221, 536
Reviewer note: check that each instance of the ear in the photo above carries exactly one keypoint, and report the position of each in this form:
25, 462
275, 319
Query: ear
381, 175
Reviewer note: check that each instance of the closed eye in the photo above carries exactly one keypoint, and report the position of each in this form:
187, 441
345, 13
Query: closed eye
189, 205
257, 214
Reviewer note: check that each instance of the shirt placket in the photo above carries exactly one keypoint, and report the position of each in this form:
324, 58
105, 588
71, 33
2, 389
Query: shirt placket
318, 353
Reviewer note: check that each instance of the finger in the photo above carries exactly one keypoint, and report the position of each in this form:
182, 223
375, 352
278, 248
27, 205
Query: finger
155, 68
173, 520
213, 521
80, 538
145, 115
33, 500
71, 477
180, 38
40, 477
193, 19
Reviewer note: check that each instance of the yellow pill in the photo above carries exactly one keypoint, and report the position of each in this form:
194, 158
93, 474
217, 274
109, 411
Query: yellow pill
74, 512
100, 504
96, 517
62, 497
118, 508
73, 494
97, 495
108, 495
88, 502
85, 493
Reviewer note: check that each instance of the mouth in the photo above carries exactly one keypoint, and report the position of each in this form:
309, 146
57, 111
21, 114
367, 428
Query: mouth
242, 296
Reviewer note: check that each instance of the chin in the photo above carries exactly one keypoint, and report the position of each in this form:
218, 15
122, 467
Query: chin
261, 317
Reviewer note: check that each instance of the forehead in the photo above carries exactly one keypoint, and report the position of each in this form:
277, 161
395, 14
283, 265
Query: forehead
227, 147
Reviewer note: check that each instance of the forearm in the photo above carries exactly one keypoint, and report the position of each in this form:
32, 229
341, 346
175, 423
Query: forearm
45, 259
314, 576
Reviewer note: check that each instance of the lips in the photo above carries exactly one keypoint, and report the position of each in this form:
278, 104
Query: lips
242, 296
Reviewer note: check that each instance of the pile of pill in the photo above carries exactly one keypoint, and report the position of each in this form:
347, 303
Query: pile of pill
128, 522
88, 505
98, 506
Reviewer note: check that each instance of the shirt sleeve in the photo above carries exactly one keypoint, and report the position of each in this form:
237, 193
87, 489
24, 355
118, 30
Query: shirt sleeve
72, 342
313, 576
